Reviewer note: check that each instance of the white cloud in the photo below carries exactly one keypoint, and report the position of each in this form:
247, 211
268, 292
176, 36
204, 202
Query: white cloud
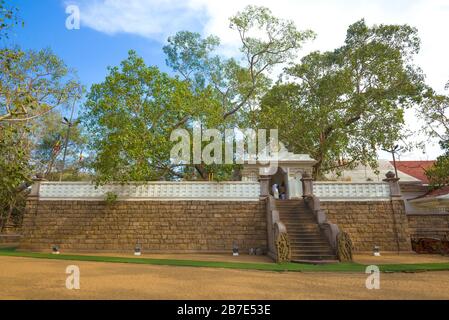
153, 19
156, 19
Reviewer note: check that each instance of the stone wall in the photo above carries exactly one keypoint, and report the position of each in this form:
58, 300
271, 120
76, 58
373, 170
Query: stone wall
160, 226
429, 225
11, 239
371, 223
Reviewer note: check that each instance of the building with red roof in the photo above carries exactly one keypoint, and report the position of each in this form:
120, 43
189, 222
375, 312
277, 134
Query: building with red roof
416, 169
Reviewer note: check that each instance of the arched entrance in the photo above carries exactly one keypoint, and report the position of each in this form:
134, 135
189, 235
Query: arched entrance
281, 179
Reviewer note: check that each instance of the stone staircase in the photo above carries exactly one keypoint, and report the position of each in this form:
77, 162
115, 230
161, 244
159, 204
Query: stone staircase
307, 243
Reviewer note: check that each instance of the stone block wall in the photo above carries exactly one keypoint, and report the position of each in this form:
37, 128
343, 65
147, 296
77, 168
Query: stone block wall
429, 225
159, 226
9, 239
371, 223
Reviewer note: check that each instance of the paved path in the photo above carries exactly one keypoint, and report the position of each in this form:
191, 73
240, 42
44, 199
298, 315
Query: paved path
26, 278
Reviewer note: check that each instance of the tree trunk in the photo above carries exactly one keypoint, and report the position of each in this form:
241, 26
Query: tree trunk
317, 173
8, 216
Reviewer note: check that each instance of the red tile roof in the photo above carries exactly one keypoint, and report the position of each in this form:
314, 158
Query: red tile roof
415, 169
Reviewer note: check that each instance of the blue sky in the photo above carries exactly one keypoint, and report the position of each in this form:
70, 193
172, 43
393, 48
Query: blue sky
109, 28
86, 50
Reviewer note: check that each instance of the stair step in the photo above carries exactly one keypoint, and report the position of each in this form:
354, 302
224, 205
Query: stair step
301, 223
298, 247
297, 216
290, 201
299, 220
303, 251
295, 213
312, 259
306, 249
309, 243
278, 206
298, 231
312, 251
311, 255
307, 239
304, 234
299, 208
302, 229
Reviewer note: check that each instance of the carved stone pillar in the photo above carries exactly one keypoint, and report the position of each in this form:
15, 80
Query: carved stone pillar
393, 182
35, 188
264, 185
307, 185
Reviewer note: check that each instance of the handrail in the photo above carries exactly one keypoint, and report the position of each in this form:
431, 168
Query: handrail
329, 229
278, 243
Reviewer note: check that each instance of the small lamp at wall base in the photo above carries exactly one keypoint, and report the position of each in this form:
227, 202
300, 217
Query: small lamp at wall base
235, 250
55, 249
376, 251
138, 250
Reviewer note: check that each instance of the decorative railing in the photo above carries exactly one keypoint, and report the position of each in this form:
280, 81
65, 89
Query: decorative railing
241, 191
351, 191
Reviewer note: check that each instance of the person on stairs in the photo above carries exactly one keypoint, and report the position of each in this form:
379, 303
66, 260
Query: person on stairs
275, 191
282, 191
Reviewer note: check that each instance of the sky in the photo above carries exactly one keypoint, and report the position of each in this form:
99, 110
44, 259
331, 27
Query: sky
110, 28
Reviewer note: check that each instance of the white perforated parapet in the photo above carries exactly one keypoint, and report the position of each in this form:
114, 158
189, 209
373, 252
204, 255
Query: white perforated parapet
351, 191
239, 191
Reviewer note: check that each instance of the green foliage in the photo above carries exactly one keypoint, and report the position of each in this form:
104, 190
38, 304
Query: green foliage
33, 83
14, 169
438, 174
435, 113
266, 42
130, 117
342, 106
110, 198
8, 19
49, 138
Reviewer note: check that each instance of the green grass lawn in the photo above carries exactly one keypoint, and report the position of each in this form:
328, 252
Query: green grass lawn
295, 267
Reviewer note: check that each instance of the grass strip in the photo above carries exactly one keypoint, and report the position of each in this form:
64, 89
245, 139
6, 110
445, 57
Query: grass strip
277, 267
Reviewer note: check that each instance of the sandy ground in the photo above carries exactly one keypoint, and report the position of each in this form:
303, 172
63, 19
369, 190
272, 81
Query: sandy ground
26, 278
406, 258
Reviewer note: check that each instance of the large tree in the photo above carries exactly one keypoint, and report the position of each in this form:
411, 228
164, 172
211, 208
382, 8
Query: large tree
438, 174
435, 113
266, 42
130, 117
341, 106
32, 83
49, 137
9, 18
133, 112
